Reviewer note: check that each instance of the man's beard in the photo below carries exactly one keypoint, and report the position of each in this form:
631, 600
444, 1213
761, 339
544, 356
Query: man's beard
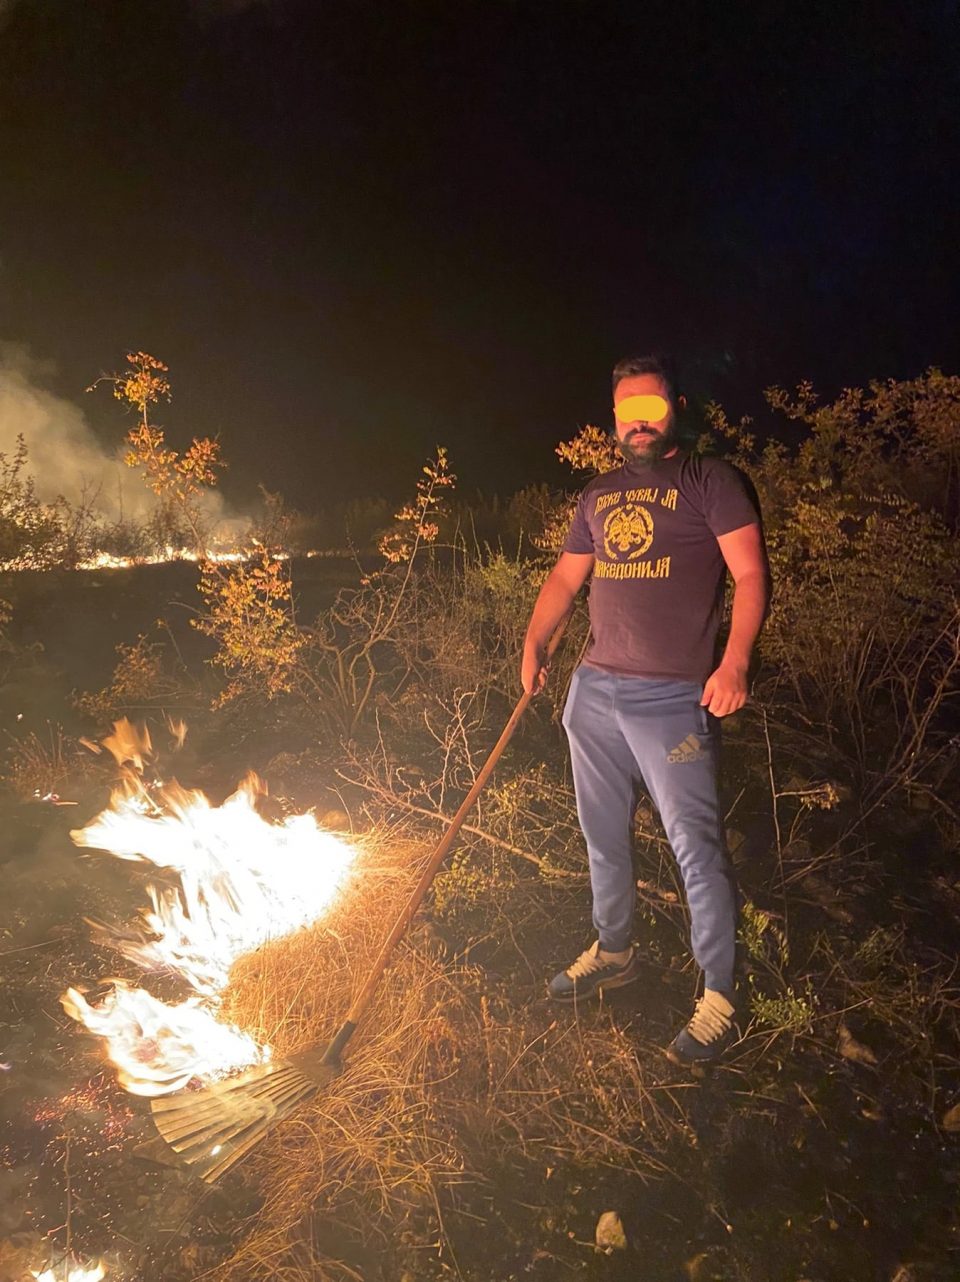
649, 447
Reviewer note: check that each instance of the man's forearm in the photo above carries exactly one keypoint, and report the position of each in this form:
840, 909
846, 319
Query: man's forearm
552, 604
751, 599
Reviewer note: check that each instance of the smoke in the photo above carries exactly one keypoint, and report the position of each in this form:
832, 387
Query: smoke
64, 456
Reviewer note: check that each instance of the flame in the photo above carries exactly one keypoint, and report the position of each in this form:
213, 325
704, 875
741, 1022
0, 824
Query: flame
178, 730
239, 881
70, 1270
235, 556
107, 561
158, 1049
129, 744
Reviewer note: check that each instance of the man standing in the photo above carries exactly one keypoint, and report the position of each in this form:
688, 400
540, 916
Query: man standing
657, 535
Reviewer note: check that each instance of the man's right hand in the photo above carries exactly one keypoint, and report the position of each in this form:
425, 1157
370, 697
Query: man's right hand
533, 669
554, 602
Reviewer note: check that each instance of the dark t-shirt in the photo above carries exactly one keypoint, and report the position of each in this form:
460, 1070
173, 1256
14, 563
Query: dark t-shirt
657, 588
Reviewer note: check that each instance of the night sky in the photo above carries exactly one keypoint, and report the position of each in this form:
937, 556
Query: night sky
356, 229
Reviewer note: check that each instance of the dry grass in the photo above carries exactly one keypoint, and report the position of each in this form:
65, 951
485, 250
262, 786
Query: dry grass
442, 1079
37, 766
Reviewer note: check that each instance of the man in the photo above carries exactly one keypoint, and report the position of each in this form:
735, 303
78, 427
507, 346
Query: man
657, 535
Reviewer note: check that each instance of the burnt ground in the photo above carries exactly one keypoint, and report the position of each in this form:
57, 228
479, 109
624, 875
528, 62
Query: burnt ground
797, 1163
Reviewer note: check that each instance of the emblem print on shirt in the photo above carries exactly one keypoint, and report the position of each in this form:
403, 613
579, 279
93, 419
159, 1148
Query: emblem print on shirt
627, 532
690, 750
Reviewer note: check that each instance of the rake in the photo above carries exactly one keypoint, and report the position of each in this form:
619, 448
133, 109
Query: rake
212, 1129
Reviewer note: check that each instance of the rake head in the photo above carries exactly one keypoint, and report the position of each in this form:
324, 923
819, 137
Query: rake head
212, 1129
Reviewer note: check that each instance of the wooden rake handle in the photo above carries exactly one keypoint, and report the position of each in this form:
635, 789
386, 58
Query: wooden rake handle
362, 999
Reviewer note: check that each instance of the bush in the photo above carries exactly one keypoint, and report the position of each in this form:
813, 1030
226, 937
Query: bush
35, 535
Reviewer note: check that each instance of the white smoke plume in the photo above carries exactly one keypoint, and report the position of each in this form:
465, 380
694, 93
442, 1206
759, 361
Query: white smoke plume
64, 456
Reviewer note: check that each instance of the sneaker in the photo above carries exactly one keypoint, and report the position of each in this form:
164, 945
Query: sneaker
709, 1032
589, 976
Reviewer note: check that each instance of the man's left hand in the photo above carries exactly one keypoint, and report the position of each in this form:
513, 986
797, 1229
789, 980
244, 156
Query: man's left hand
726, 690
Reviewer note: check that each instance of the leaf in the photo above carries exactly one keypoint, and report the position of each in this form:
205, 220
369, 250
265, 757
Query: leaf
951, 1119
735, 840
853, 1050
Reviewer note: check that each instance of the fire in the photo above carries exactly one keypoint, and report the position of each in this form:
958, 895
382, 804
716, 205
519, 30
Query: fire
158, 1048
108, 561
239, 882
69, 1270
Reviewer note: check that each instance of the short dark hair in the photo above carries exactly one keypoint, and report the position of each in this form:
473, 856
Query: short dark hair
659, 363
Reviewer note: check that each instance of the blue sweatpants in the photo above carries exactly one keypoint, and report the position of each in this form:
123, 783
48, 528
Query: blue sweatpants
624, 731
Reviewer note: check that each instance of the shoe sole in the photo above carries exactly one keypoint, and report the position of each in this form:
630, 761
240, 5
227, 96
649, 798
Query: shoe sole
676, 1056
618, 981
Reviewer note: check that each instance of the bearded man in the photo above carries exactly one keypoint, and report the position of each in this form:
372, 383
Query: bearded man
656, 537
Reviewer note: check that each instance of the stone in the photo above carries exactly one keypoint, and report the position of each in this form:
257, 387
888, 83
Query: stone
610, 1235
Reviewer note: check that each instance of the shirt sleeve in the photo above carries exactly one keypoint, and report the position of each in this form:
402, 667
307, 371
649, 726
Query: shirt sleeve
729, 499
579, 539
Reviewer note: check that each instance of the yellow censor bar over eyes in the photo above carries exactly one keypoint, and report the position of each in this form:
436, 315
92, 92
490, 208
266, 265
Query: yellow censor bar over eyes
641, 409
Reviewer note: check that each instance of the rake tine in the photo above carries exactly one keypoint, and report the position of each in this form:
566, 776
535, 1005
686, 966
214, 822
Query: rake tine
174, 1124
247, 1082
185, 1130
193, 1146
234, 1151
222, 1120
223, 1094
214, 1115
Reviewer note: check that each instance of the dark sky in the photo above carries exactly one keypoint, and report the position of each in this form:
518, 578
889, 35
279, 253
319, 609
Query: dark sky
356, 229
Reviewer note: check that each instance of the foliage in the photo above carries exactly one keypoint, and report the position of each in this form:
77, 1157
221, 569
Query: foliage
363, 646
39, 766
248, 607
35, 535
467, 885
417, 522
142, 384
763, 939
177, 479
894, 438
862, 645
786, 1012
591, 450
142, 680
513, 525
249, 613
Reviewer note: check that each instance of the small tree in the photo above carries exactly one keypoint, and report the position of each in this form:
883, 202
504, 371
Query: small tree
249, 606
